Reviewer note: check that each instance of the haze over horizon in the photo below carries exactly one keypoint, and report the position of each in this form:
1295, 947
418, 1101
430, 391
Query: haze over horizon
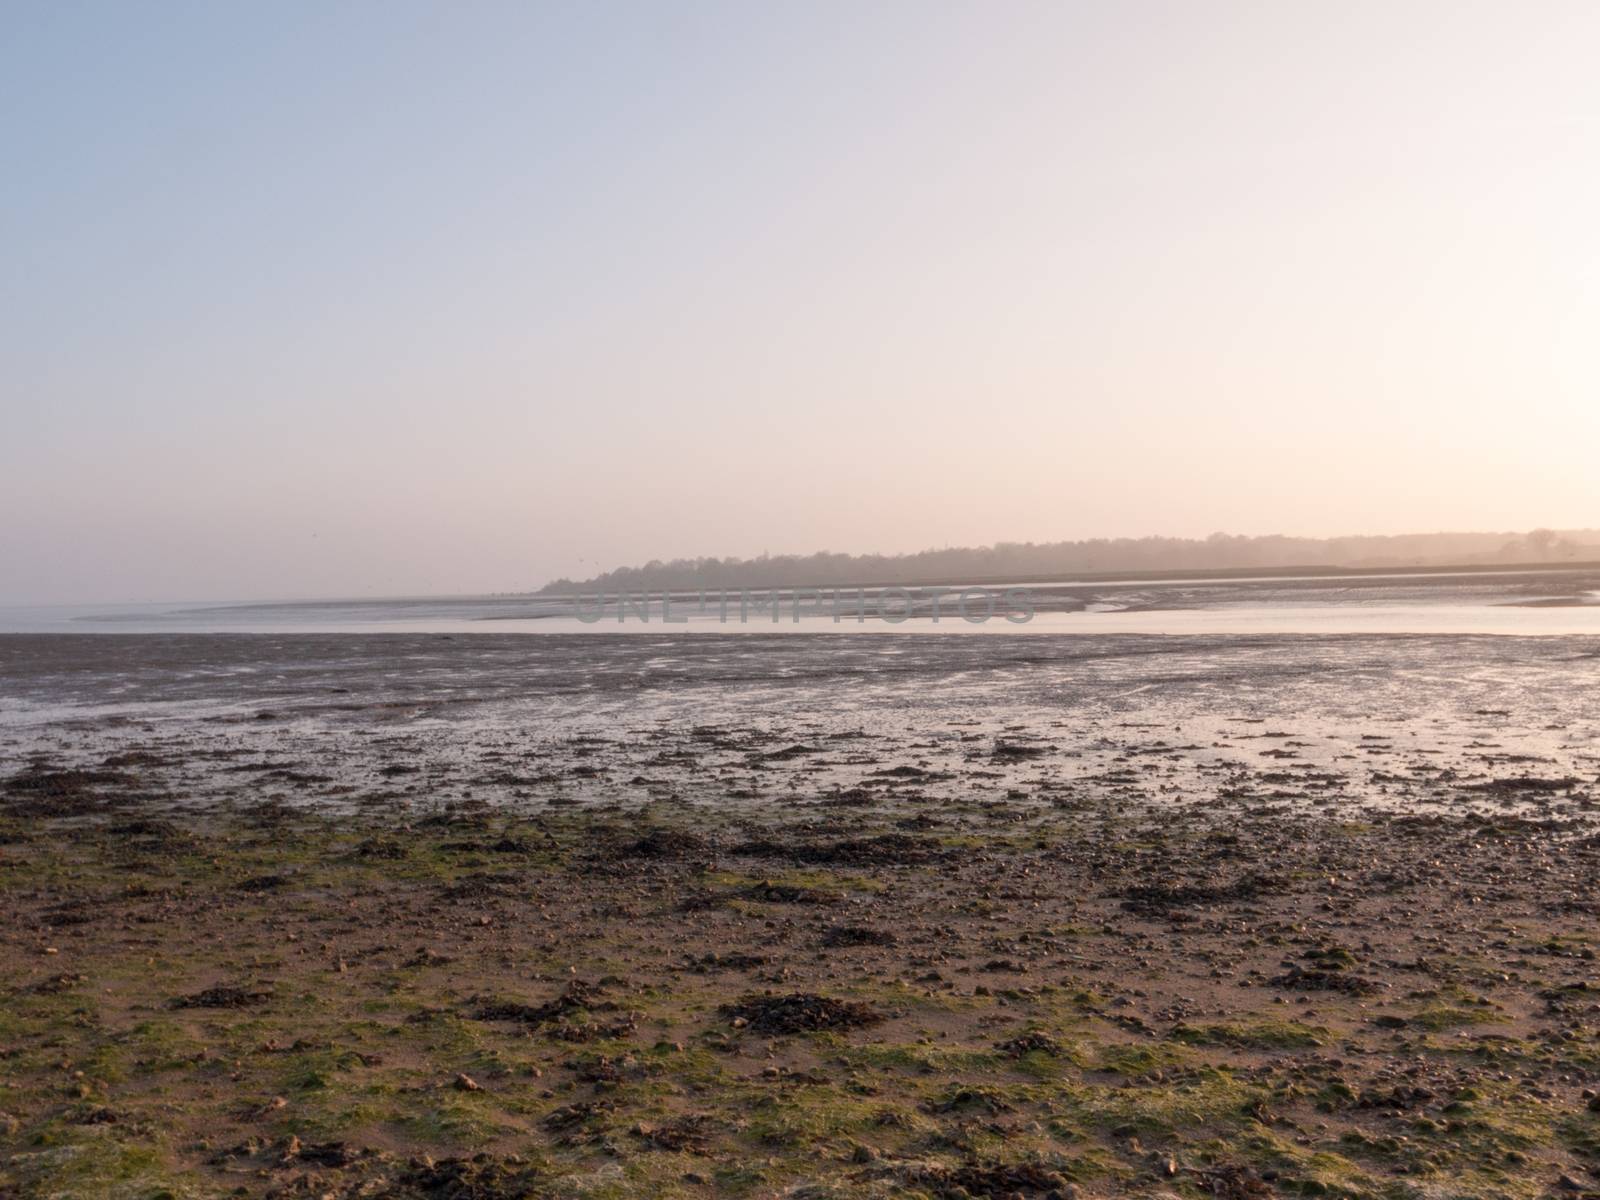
383, 299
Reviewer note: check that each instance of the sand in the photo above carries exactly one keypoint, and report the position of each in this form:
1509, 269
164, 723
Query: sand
495, 917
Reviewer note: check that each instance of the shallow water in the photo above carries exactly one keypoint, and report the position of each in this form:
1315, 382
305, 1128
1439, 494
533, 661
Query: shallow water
1406, 722
1522, 602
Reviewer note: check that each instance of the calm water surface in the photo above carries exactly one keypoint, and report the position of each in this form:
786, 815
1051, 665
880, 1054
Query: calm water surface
1524, 602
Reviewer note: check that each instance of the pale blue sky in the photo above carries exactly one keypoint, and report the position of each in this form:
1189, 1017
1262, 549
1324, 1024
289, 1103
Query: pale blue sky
309, 299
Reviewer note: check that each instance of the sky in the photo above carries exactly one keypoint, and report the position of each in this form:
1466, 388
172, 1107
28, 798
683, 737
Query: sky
346, 299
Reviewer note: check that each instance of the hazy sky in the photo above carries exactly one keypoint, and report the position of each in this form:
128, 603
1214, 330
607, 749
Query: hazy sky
353, 298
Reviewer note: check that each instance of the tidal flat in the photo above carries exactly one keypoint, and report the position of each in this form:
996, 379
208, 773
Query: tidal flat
498, 916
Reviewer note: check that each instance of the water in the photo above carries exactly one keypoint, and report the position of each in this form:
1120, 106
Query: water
1557, 601
1408, 723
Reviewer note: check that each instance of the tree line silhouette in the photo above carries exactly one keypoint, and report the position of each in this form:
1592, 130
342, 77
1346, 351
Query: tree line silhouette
1023, 561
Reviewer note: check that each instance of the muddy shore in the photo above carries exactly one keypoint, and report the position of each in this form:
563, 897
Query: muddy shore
478, 918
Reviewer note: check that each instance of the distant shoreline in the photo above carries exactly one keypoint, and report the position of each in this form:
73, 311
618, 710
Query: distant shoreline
1064, 579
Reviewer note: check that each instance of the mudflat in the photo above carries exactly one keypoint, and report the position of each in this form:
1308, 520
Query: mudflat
503, 916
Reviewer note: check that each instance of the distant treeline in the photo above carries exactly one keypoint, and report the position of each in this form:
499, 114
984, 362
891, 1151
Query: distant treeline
1042, 560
